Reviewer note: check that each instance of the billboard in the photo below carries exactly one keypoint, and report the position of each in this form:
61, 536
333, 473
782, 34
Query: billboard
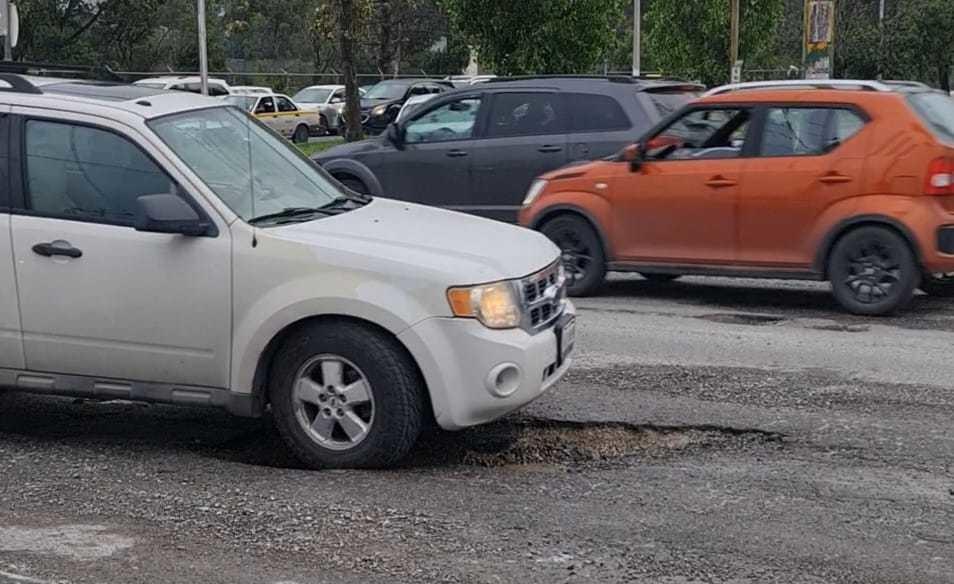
819, 38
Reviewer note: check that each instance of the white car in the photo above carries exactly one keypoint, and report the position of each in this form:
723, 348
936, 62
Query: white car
163, 247
250, 90
217, 87
328, 100
411, 103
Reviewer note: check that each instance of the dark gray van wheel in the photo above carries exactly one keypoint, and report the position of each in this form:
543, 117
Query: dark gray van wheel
940, 285
660, 278
583, 256
346, 395
354, 184
873, 271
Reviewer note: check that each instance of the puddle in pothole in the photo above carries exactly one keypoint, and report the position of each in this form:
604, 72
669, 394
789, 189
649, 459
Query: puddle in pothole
742, 318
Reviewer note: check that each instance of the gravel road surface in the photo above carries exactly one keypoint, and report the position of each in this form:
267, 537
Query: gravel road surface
711, 431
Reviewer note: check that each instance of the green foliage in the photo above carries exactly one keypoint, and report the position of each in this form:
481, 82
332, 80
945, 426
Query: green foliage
124, 34
538, 36
691, 39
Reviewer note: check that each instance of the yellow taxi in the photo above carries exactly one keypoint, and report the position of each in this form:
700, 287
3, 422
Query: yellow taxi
283, 115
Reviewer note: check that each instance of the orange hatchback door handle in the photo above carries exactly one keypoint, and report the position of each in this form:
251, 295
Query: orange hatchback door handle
835, 178
720, 182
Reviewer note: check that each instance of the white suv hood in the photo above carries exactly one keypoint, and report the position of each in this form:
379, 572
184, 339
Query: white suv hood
445, 245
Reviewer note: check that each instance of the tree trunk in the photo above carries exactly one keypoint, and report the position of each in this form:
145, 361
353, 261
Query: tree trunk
944, 77
346, 39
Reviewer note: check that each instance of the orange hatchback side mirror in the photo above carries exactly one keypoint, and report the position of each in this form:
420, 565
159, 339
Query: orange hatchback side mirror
633, 154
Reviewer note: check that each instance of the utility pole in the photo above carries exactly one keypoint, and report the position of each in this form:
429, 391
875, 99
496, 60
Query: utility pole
203, 51
7, 39
881, 39
733, 37
637, 22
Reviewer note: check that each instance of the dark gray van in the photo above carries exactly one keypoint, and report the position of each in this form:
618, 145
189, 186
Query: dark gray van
477, 149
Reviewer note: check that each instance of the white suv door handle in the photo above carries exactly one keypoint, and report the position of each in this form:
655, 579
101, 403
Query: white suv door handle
57, 248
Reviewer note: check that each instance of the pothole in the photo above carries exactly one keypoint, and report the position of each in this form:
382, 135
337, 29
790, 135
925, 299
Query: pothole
742, 318
522, 441
842, 328
546, 442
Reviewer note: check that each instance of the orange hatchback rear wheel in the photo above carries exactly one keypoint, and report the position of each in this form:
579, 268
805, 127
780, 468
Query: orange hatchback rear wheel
873, 271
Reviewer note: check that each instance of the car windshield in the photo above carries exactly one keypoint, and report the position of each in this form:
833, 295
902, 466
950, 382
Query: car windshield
668, 102
387, 90
312, 95
243, 101
937, 111
250, 168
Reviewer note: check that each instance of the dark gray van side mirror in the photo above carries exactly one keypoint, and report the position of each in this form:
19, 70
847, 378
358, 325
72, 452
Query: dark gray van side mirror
166, 213
395, 135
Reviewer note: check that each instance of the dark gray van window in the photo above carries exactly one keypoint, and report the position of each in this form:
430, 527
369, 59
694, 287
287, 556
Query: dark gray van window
86, 173
4, 162
526, 114
668, 102
596, 113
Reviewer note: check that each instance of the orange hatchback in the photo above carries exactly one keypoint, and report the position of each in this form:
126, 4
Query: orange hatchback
846, 181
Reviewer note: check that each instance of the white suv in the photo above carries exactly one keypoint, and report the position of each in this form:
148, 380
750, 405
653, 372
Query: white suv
166, 247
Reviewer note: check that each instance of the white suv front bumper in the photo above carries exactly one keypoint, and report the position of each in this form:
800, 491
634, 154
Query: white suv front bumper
463, 363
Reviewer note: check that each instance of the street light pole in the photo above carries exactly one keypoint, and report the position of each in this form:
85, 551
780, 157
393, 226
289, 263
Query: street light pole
734, 36
637, 32
7, 40
203, 53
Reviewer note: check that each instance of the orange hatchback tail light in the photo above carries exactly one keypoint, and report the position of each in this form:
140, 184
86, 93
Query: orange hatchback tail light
940, 177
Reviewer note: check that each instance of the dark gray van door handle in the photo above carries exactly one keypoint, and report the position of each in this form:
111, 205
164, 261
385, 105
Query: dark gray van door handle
548, 148
456, 154
57, 248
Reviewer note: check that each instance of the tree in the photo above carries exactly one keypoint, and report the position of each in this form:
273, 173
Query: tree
692, 38
920, 38
538, 36
348, 20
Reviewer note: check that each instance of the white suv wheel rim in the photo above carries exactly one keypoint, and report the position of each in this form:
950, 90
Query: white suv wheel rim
333, 402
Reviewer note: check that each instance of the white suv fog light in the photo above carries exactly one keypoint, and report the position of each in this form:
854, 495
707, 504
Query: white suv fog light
504, 379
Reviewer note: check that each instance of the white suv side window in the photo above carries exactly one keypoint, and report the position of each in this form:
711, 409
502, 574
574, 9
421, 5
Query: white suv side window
451, 121
86, 173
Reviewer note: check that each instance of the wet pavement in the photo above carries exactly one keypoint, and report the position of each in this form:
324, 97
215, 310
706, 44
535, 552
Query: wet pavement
712, 430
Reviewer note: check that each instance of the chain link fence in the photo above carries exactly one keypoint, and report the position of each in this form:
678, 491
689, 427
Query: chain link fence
280, 81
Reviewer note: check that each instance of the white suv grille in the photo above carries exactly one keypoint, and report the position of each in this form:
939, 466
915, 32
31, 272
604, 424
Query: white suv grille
543, 295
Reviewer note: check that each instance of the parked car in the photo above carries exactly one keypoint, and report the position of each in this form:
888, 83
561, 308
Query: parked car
846, 181
465, 80
281, 114
328, 100
411, 105
208, 263
491, 140
217, 87
250, 90
382, 102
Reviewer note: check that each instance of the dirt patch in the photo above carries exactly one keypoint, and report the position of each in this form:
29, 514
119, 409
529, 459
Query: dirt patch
520, 441
742, 318
546, 442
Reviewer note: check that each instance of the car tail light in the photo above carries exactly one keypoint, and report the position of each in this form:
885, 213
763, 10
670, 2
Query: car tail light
940, 177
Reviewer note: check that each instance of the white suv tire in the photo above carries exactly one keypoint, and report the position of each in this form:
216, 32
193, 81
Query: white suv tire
346, 395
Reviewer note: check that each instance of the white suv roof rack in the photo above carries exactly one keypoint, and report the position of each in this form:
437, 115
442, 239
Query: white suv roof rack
811, 84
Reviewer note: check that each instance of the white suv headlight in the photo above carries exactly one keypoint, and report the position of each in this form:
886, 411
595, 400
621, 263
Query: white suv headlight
494, 305
535, 189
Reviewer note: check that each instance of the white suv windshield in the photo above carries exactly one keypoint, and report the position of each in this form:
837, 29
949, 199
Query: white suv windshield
254, 171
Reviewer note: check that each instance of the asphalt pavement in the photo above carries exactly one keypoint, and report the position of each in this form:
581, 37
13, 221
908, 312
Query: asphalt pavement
711, 431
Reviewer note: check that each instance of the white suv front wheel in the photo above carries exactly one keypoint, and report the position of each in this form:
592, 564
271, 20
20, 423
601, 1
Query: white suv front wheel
345, 395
